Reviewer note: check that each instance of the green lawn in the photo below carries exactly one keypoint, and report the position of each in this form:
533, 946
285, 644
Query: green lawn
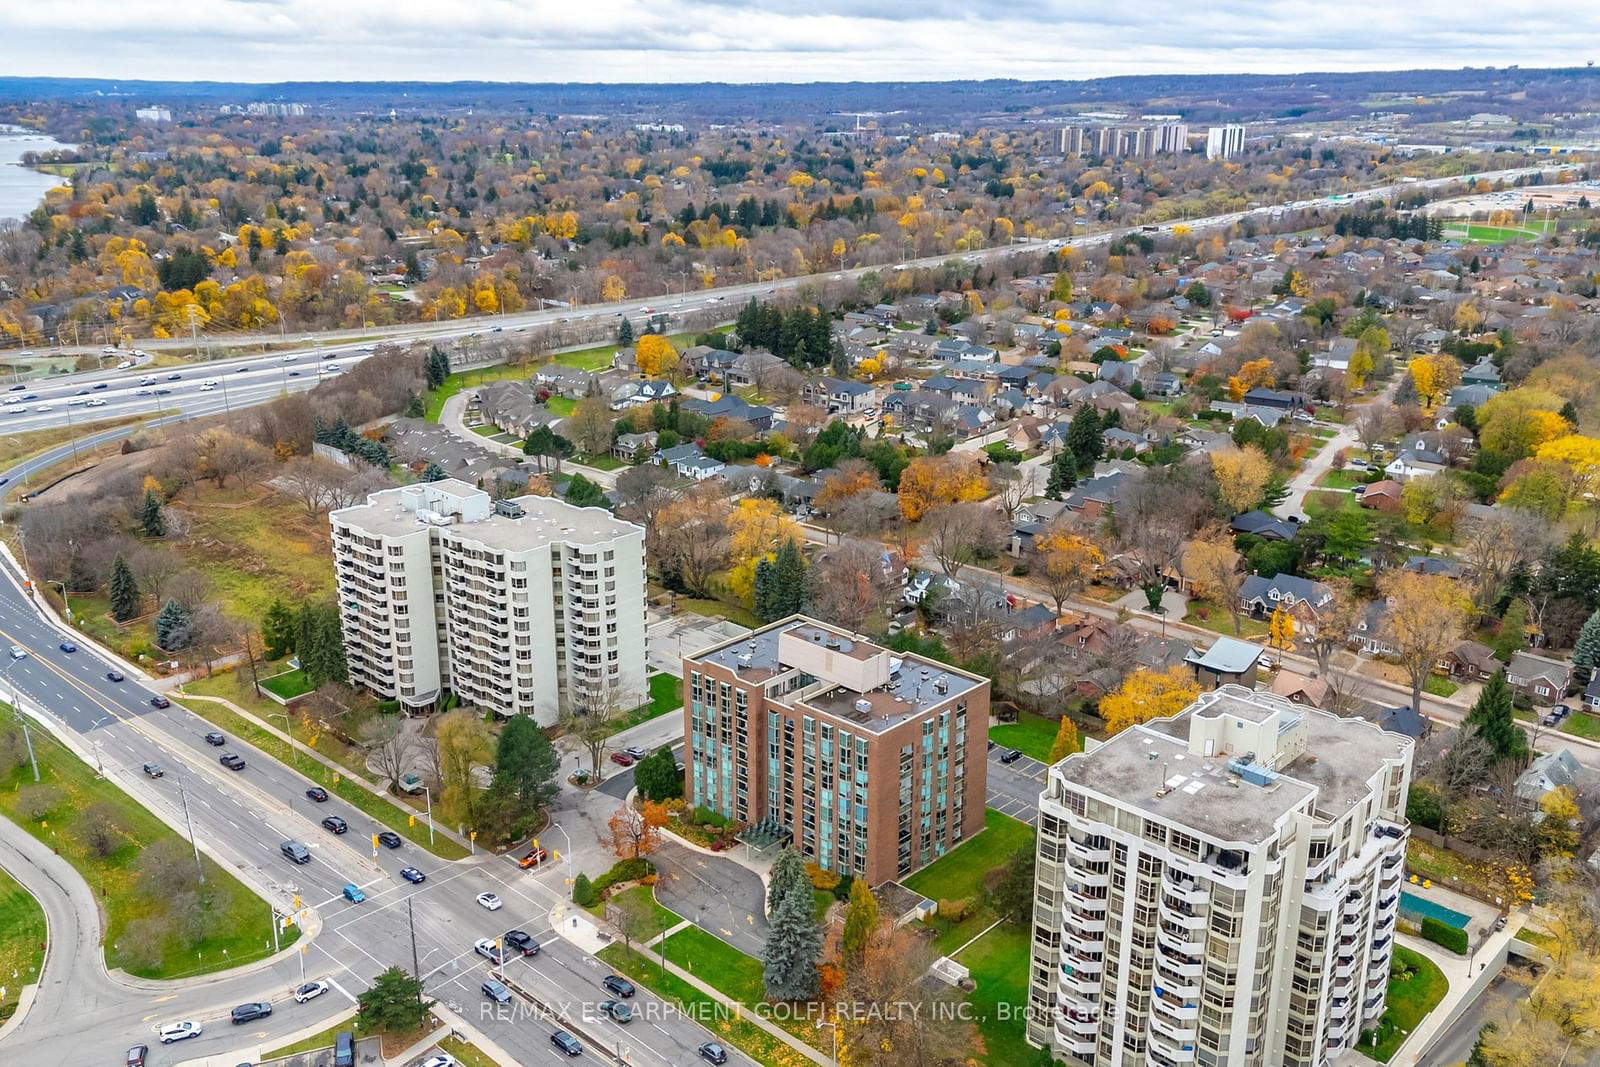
1343, 479
320, 1040
647, 917
384, 811
1410, 1001
1219, 620
238, 923
742, 1035
666, 695
1439, 686
289, 684
1031, 734
1526, 230
732, 612
999, 965
467, 379
718, 964
606, 462
1581, 724
960, 875
467, 1055
22, 937
234, 685
256, 546
561, 405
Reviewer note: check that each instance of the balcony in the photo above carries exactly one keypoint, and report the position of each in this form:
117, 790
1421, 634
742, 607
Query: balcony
1072, 1043
1178, 1033
1178, 1011
1165, 1050
1081, 900
1085, 852
1086, 987
1081, 964
1181, 918
1079, 1023
1181, 942
1084, 922
1088, 944
1093, 878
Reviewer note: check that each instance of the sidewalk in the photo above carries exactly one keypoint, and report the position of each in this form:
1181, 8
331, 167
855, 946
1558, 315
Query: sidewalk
584, 934
1483, 964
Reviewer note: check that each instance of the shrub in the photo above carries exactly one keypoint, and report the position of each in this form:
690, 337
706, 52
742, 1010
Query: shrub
842, 890
955, 910
629, 870
706, 817
1442, 933
821, 877
583, 893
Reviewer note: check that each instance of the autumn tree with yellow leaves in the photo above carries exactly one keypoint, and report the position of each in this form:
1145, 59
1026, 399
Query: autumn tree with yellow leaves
1065, 562
1241, 475
655, 356
929, 481
1433, 377
1146, 694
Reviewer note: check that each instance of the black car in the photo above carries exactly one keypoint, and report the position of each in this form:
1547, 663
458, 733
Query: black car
521, 941
97, 385
712, 1052
215, 738
232, 762
174, 377
615, 983
317, 793
566, 1043
336, 824
412, 875
160, 702
245, 1013
389, 839
136, 1055
153, 770
114, 676
1011, 756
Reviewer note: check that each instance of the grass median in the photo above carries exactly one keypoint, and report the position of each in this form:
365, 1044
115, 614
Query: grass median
102, 831
22, 937
359, 796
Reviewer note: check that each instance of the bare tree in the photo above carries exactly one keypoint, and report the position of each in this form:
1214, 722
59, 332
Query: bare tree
1374, 424
1150, 524
590, 719
590, 425
959, 533
311, 481
1495, 543
849, 586
972, 620
389, 747
1012, 485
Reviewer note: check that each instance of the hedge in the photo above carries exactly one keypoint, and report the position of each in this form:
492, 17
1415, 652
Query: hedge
1442, 933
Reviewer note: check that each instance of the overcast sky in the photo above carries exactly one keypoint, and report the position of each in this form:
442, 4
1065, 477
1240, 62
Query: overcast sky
775, 40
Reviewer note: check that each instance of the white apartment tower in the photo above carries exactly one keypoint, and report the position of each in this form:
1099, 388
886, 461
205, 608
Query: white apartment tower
1224, 142
525, 606
1219, 888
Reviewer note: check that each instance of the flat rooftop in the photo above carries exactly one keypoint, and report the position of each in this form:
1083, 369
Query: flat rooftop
913, 688
545, 520
1340, 757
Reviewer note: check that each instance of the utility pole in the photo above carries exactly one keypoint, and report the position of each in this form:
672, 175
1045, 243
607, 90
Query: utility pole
184, 796
416, 968
27, 739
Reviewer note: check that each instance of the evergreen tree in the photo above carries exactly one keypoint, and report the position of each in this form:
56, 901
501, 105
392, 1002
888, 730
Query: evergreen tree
434, 473
582, 493
415, 409
1012, 899
838, 359
305, 631
153, 522
788, 878
278, 631
1085, 438
1063, 474
788, 581
124, 591
174, 629
860, 920
1586, 653
625, 333
1491, 715
794, 945
658, 777
761, 592
1569, 411
526, 763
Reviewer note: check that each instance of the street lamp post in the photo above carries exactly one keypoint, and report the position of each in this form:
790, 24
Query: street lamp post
427, 794
27, 738
834, 1026
184, 796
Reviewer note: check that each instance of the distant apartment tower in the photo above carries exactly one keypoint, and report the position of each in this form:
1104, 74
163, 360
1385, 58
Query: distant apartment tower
153, 114
1219, 888
1072, 140
870, 762
1224, 142
1124, 142
524, 607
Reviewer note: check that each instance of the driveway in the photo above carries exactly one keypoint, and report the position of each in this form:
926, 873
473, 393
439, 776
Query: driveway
1014, 788
724, 898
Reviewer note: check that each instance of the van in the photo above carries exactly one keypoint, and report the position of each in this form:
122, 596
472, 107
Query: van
295, 852
344, 1049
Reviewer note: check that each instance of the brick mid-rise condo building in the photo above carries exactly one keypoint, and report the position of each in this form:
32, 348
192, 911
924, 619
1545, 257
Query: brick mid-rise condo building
872, 762
525, 607
1219, 888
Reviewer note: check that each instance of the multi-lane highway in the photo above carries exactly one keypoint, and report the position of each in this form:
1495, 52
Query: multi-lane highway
240, 818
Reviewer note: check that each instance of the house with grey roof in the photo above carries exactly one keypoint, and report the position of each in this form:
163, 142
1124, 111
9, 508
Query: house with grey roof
689, 461
1549, 772
1228, 660
1541, 679
1303, 598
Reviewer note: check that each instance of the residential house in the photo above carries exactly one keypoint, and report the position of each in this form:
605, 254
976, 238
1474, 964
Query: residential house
748, 368
1265, 525
1338, 356
1399, 719
1591, 694
1371, 631
1166, 384
1383, 495
567, 381
1432, 340
636, 393
728, 406
1541, 679
1549, 772
1412, 463
1303, 598
687, 460
1093, 498
1474, 396
513, 407
703, 361
1432, 565
1300, 688
632, 447
838, 395
1470, 661
1120, 440
1274, 398
1228, 660
1484, 372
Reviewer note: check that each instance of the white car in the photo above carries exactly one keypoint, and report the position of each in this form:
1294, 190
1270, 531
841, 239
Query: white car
124, 365
179, 1032
13, 400
486, 948
42, 408
97, 403
491, 901
443, 1059
288, 359
310, 991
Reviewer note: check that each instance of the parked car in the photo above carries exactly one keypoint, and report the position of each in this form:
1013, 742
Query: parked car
1011, 755
443, 1059
491, 901
179, 1032
615, 983
317, 793
310, 991
412, 875
622, 759
153, 770
635, 752
231, 761
245, 1013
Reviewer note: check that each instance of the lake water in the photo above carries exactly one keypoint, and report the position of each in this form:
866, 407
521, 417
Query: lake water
21, 189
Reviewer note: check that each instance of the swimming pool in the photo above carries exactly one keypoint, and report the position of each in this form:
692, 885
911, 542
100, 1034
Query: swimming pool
1419, 908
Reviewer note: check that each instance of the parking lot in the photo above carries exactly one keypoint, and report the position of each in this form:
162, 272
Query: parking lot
1014, 788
